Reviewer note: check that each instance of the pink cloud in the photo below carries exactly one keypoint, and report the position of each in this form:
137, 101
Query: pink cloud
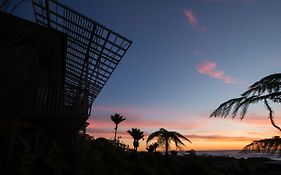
193, 22
209, 68
191, 18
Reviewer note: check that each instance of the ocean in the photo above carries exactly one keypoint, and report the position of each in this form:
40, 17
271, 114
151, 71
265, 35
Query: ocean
236, 154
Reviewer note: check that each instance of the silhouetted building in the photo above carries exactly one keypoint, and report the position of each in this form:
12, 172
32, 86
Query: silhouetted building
51, 71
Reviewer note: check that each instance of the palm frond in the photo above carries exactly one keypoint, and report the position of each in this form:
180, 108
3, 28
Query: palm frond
153, 135
268, 88
136, 133
180, 136
157, 134
161, 141
177, 141
225, 108
264, 146
117, 118
269, 84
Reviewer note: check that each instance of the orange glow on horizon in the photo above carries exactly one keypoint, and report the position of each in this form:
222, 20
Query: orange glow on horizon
197, 144
205, 133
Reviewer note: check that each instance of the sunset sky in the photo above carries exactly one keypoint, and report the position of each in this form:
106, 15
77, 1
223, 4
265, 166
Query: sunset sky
187, 57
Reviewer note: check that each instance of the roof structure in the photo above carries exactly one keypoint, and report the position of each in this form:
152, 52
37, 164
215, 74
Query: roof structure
93, 51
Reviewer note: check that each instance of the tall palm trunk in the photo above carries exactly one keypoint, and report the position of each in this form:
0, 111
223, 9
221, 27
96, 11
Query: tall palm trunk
135, 145
115, 134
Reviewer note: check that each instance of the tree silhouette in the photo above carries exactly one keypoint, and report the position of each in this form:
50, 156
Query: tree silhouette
164, 138
137, 134
117, 118
152, 148
267, 89
266, 146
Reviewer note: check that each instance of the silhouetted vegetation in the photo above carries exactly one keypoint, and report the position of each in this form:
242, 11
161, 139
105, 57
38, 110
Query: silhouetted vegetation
267, 89
137, 135
165, 137
88, 156
265, 146
116, 118
152, 148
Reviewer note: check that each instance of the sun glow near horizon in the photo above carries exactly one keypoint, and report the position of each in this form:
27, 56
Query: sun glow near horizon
205, 133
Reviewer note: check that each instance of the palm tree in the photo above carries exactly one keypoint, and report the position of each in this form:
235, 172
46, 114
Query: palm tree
267, 89
137, 134
117, 118
164, 138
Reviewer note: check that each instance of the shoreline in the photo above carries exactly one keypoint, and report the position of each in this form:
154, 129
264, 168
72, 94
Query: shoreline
228, 153
236, 154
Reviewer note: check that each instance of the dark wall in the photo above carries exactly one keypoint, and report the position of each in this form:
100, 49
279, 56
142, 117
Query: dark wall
30, 55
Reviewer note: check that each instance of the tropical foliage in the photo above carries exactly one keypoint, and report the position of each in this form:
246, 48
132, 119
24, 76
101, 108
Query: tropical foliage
152, 148
116, 118
265, 90
87, 156
137, 135
165, 137
265, 146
